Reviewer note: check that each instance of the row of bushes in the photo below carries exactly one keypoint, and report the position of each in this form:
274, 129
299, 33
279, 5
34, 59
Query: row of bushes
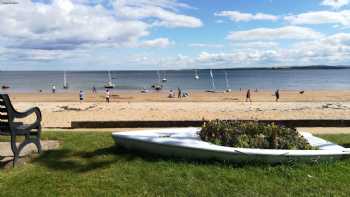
252, 134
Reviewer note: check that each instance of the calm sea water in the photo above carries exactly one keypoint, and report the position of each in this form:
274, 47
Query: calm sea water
286, 79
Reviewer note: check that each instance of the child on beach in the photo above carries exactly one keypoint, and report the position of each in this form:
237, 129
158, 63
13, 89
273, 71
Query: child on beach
81, 96
94, 91
247, 98
171, 94
108, 94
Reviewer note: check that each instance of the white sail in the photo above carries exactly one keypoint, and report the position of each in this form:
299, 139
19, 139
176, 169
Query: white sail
228, 89
212, 79
65, 83
196, 76
110, 83
164, 78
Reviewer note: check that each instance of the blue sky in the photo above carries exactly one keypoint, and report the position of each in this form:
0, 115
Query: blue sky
172, 34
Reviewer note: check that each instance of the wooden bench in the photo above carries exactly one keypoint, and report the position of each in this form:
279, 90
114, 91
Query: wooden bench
8, 126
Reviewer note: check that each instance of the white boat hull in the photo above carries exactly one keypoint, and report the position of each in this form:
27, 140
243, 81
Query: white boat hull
185, 142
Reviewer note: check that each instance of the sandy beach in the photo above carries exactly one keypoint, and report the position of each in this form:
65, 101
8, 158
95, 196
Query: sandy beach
61, 108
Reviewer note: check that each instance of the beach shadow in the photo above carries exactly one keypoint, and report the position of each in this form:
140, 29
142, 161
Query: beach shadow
85, 161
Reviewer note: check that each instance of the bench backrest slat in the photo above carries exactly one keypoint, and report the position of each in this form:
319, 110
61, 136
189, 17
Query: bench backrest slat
6, 113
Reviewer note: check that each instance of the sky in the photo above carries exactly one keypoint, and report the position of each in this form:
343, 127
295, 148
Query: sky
172, 34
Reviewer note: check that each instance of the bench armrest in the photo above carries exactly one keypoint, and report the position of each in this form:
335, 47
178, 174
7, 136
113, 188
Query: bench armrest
35, 110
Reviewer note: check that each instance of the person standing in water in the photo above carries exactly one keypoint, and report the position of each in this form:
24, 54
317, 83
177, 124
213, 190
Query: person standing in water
108, 95
81, 96
277, 95
247, 98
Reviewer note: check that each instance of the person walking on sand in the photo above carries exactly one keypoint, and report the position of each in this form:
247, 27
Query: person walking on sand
81, 96
94, 91
108, 95
179, 93
247, 98
53, 89
277, 95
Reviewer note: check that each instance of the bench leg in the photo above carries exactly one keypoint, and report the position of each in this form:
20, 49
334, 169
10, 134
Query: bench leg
28, 139
37, 141
14, 150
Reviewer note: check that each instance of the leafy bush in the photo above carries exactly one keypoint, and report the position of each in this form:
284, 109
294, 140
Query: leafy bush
252, 135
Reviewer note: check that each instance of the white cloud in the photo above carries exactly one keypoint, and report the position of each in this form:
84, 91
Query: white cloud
255, 45
239, 16
288, 32
320, 17
333, 50
238, 58
64, 25
203, 45
335, 3
160, 12
159, 42
63, 30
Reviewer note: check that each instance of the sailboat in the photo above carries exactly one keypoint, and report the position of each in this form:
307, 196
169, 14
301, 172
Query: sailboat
164, 80
227, 83
196, 76
110, 84
212, 82
65, 84
157, 86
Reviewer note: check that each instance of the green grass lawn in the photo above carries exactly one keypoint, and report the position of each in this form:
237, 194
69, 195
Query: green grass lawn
88, 164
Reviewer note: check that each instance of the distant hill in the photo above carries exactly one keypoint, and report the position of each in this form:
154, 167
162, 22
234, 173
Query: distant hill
319, 67
311, 67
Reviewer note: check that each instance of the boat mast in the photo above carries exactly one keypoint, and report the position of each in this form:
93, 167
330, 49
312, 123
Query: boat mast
226, 80
158, 74
109, 77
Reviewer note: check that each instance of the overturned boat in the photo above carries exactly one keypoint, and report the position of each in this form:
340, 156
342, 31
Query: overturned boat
186, 143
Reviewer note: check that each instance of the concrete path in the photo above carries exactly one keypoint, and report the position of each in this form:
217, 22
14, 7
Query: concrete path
29, 151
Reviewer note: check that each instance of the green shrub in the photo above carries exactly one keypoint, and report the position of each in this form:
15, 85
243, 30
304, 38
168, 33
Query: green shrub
252, 135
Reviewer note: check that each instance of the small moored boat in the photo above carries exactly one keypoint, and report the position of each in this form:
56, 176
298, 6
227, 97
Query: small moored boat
4, 87
185, 142
110, 84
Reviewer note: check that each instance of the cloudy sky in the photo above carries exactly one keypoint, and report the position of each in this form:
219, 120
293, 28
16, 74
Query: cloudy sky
172, 34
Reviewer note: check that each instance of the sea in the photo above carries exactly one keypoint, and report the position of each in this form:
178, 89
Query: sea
234, 79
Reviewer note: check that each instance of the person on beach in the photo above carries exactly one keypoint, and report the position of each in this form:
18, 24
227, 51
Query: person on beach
277, 95
53, 89
171, 94
94, 91
108, 95
247, 98
81, 96
179, 93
